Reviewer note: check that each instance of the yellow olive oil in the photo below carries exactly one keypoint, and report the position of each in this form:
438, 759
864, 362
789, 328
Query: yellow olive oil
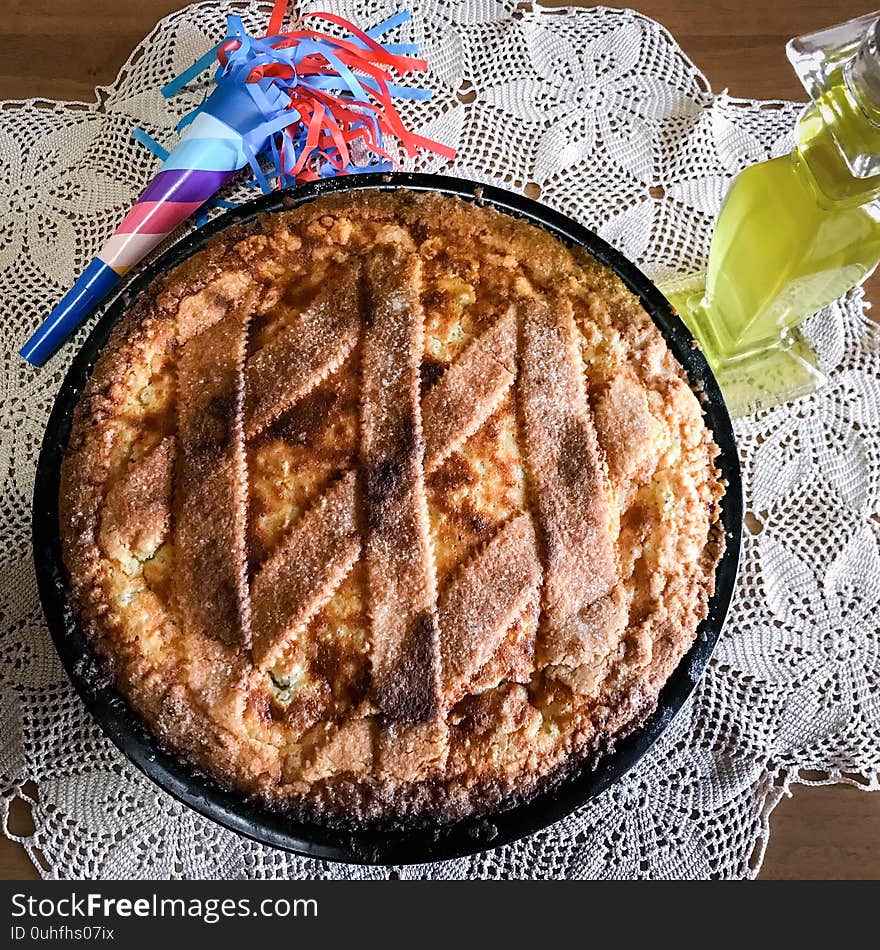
794, 234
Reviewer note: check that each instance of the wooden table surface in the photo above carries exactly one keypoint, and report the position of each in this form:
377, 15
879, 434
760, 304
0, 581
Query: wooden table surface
62, 50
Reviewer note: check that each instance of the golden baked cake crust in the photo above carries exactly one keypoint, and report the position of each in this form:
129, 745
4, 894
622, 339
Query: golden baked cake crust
389, 506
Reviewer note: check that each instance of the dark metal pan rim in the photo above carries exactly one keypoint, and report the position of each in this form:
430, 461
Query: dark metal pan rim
234, 809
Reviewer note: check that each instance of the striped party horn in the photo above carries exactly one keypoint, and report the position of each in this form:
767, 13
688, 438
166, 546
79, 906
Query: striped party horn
210, 151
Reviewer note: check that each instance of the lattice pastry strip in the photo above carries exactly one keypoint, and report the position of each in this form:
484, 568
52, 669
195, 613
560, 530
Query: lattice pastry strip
305, 570
137, 510
303, 354
405, 638
566, 471
210, 497
469, 391
484, 598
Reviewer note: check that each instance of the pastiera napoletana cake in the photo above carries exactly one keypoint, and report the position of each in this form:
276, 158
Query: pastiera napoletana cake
390, 506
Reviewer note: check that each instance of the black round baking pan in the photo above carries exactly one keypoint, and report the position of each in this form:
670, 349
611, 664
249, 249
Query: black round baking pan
383, 845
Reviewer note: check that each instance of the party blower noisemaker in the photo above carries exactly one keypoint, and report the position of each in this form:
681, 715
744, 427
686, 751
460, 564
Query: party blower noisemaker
305, 103
796, 232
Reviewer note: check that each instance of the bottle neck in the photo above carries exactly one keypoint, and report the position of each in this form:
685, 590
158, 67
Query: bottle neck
836, 138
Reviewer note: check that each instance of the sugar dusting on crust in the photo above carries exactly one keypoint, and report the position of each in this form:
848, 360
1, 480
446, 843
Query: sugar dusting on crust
469, 391
303, 354
210, 492
480, 603
586, 448
569, 482
405, 638
137, 510
305, 569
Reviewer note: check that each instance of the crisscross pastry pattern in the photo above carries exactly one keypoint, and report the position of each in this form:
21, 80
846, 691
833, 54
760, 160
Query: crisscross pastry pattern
390, 505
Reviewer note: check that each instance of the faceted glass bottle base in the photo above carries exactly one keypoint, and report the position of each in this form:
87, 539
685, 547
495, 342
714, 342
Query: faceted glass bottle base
760, 379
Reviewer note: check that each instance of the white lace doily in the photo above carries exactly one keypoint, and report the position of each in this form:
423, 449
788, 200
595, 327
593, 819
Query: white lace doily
601, 114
